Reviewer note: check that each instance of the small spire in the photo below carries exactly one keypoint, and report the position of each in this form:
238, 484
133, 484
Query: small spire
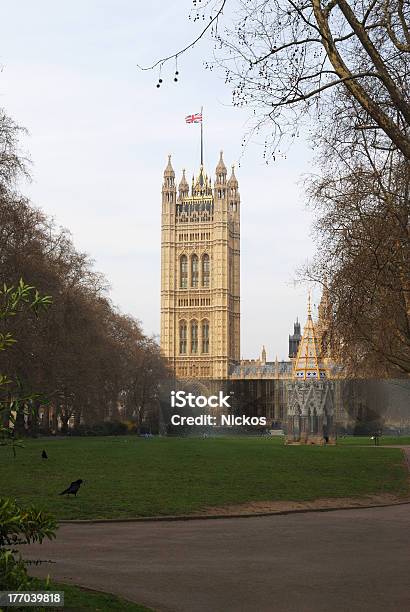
169, 171
308, 364
200, 181
233, 182
221, 168
183, 185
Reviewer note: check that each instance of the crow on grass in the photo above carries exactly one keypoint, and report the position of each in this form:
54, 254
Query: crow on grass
73, 488
44, 455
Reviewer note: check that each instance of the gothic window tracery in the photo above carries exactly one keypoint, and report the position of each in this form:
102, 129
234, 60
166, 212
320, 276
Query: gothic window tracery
182, 337
183, 272
194, 336
205, 270
205, 336
194, 271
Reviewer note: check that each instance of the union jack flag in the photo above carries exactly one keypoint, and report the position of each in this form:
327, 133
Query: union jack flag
197, 118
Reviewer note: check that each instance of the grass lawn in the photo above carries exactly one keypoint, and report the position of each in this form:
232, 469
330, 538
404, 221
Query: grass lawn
77, 599
130, 476
367, 441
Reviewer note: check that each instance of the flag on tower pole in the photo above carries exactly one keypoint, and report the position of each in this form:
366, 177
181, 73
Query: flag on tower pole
197, 118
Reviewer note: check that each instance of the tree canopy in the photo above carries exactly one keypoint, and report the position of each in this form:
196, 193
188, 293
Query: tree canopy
91, 361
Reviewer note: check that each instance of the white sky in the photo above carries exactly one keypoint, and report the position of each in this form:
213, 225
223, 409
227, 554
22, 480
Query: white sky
99, 135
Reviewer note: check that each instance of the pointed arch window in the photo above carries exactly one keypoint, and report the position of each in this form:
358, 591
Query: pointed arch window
194, 271
194, 337
205, 270
183, 272
205, 336
182, 337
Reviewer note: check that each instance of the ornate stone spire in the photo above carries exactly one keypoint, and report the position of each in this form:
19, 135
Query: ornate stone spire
220, 170
183, 185
168, 186
202, 185
263, 355
233, 181
308, 363
169, 171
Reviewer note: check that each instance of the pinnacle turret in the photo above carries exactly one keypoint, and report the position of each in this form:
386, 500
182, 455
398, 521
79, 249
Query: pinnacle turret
220, 170
168, 186
183, 185
169, 171
233, 181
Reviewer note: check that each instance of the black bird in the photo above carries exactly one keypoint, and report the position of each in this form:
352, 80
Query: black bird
73, 488
44, 455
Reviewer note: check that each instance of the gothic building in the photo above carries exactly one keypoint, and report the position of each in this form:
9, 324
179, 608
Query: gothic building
200, 282
200, 320
200, 274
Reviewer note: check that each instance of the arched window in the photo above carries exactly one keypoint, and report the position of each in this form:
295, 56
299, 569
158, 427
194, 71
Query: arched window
194, 337
182, 337
194, 271
205, 336
183, 272
205, 270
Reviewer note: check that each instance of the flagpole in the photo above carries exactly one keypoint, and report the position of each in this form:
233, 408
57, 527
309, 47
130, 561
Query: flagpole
202, 138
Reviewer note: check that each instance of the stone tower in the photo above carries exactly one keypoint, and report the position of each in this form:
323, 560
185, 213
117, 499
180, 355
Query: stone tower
294, 340
200, 273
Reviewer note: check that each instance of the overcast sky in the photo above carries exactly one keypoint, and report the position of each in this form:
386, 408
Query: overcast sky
99, 135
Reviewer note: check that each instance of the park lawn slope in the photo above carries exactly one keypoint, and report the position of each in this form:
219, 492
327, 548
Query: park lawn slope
127, 477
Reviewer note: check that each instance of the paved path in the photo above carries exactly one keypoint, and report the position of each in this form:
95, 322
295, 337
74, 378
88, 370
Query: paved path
344, 560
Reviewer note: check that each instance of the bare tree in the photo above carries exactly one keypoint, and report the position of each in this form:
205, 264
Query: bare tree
12, 163
284, 57
362, 201
83, 355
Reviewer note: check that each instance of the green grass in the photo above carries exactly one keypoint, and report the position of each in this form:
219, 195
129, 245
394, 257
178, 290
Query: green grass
130, 476
77, 599
367, 441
